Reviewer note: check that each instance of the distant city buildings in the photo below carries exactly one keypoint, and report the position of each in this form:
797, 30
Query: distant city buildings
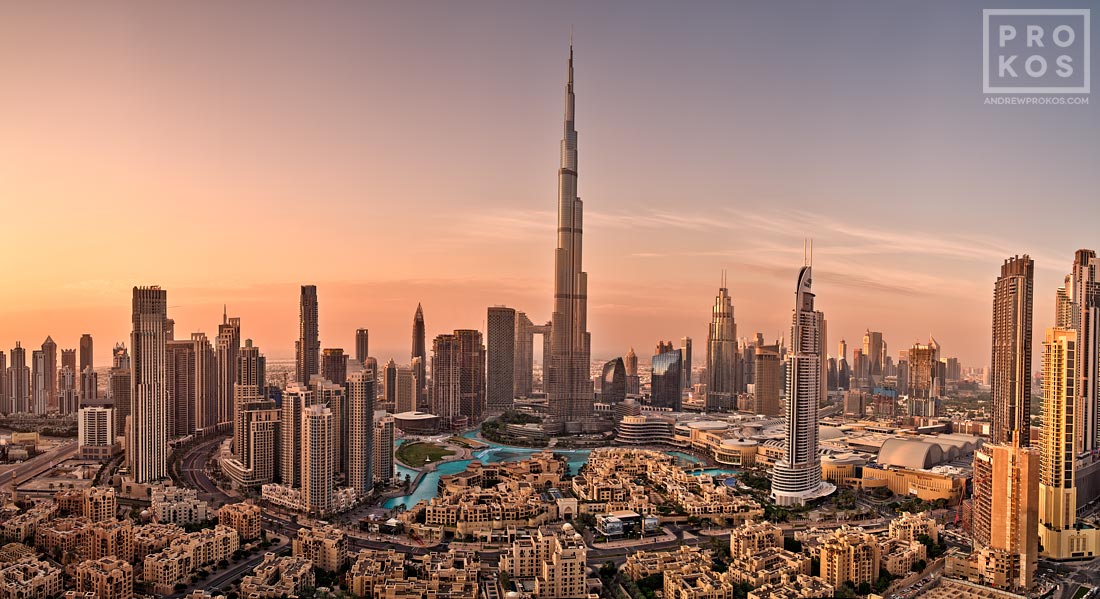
723, 367
308, 347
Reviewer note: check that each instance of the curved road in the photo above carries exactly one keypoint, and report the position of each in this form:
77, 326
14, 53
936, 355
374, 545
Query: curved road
21, 473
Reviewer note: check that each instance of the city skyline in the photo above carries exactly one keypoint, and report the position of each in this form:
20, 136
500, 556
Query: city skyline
835, 186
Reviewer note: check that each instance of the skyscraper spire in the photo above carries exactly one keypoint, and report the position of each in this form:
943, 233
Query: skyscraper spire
568, 383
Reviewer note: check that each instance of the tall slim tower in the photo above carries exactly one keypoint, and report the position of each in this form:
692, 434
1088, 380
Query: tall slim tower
49, 364
797, 475
569, 386
360, 438
501, 341
1059, 534
87, 358
308, 347
722, 359
418, 357
149, 385
362, 345
1084, 294
19, 380
1010, 369
685, 349
317, 459
228, 349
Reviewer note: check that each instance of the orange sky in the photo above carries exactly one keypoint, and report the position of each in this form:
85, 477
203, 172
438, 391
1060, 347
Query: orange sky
395, 154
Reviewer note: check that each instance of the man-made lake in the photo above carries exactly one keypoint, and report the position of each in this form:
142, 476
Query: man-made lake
493, 453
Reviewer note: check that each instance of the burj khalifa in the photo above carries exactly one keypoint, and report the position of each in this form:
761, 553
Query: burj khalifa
569, 385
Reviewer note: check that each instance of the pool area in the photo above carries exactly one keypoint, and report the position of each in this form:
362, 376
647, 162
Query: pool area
494, 453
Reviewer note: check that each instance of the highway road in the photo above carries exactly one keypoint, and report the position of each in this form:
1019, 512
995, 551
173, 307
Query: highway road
37, 465
192, 468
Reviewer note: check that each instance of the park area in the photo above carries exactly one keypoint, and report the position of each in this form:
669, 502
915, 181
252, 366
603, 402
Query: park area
415, 455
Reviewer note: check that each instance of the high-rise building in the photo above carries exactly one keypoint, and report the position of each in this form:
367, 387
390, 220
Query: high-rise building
206, 383
1006, 508
722, 357
666, 380
228, 347
296, 398
1010, 370
383, 448
90, 393
633, 382
308, 347
256, 456
843, 372
95, 431
68, 396
183, 382
149, 386
685, 349
38, 382
49, 372
926, 380
500, 337
248, 397
360, 438
5, 401
362, 345
120, 356
19, 380
524, 350
874, 351
68, 358
797, 475
768, 380
118, 387
334, 365
613, 382
458, 377
1059, 535
419, 358
317, 467
566, 370
87, 356
1083, 293
334, 397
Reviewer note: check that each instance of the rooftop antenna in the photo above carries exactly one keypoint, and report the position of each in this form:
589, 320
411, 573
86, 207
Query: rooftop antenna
805, 251
811, 251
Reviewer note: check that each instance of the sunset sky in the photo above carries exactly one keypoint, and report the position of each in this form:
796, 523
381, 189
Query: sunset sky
406, 152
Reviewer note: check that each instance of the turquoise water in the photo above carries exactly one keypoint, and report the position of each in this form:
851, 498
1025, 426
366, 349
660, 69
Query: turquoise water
716, 471
494, 453
429, 485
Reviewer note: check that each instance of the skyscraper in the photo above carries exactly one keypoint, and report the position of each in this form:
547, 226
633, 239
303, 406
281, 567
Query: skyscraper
334, 397
149, 386
1059, 534
49, 363
1084, 317
5, 401
1006, 508
874, 349
418, 357
501, 340
383, 446
296, 398
925, 381
182, 385
206, 383
308, 346
362, 345
633, 383
317, 455
722, 358
796, 478
1010, 369
458, 377
68, 396
360, 439
568, 382
768, 380
685, 349
613, 382
334, 365
19, 380
119, 387
87, 357
38, 382
228, 347
666, 380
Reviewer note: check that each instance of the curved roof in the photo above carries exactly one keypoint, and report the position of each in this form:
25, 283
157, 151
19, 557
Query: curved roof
414, 416
910, 453
830, 432
708, 425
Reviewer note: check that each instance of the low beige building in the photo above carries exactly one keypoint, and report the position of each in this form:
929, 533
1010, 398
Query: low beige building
29, 578
242, 517
107, 578
325, 546
277, 577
